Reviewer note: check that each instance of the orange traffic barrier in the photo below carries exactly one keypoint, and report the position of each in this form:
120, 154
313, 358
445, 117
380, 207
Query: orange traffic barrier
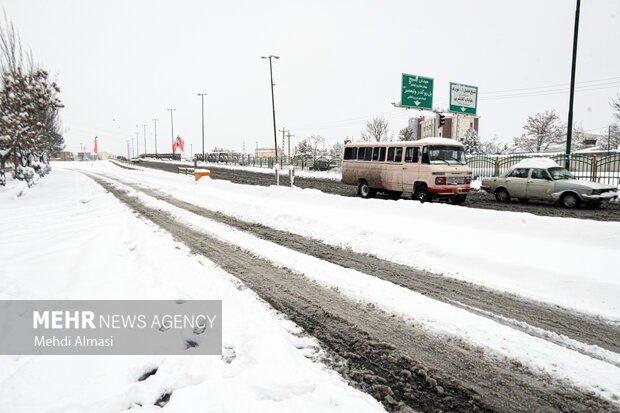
199, 173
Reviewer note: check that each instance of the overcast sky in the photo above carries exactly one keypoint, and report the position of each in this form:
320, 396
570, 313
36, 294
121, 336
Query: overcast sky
122, 63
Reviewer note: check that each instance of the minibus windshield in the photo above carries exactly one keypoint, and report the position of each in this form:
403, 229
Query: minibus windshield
446, 154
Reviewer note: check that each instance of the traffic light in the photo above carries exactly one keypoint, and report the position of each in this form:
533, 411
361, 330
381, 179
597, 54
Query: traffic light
441, 120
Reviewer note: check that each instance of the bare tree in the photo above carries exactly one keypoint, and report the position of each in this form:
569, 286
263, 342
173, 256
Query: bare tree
611, 139
615, 105
335, 151
376, 130
493, 147
405, 134
541, 131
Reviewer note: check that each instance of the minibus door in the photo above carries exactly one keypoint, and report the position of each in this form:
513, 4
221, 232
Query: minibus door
411, 167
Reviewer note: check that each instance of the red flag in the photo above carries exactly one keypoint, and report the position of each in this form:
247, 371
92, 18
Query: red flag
181, 143
96, 150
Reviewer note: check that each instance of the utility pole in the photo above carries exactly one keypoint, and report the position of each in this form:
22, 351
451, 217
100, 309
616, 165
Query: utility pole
569, 132
137, 143
172, 128
608, 138
155, 123
202, 98
144, 128
128, 157
273, 105
283, 135
288, 135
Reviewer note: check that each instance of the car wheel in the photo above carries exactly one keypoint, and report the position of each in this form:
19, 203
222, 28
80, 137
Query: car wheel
502, 195
523, 200
365, 191
421, 194
458, 199
570, 200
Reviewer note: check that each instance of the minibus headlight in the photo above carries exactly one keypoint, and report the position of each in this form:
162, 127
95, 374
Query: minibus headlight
440, 180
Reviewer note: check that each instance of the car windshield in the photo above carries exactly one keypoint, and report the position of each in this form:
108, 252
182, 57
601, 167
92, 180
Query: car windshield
560, 173
447, 154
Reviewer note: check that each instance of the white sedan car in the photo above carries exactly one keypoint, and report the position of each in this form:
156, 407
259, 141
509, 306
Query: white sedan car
544, 180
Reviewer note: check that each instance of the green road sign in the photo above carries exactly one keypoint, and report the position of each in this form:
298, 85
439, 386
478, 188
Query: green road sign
463, 98
417, 92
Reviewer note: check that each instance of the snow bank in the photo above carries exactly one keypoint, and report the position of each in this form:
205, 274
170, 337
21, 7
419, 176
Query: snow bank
74, 241
536, 163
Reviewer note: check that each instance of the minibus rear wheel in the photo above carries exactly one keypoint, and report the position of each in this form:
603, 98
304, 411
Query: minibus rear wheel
365, 191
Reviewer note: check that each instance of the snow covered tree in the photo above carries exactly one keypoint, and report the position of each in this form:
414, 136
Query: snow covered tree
541, 131
471, 141
405, 134
611, 139
30, 129
376, 130
493, 147
335, 151
312, 147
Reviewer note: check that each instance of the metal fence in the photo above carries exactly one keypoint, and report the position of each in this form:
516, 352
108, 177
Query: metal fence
604, 169
321, 164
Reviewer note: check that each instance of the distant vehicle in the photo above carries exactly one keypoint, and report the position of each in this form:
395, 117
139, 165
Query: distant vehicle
429, 168
135, 160
322, 164
121, 158
542, 179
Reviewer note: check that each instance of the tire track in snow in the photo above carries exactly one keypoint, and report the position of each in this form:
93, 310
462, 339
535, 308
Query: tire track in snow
402, 366
566, 328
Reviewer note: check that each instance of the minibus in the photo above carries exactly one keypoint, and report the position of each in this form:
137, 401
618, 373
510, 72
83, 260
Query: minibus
429, 168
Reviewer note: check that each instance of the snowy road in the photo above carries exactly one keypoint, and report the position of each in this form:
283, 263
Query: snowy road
391, 359
419, 323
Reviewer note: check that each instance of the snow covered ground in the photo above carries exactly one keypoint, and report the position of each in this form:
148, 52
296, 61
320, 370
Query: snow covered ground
333, 174
65, 238
538, 257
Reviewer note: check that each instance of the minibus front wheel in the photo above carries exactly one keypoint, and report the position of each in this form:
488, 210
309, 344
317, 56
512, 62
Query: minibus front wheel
421, 193
365, 191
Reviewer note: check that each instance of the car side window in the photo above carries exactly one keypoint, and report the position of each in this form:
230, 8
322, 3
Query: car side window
539, 174
519, 173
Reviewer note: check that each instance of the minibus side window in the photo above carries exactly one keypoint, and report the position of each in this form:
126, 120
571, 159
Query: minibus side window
350, 153
411, 154
390, 157
368, 156
425, 155
378, 154
416, 154
398, 156
360, 154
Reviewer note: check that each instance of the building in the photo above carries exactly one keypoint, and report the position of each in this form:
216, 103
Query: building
63, 156
454, 127
266, 152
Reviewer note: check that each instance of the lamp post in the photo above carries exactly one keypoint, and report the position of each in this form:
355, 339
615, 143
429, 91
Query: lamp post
273, 105
155, 123
144, 129
202, 99
569, 132
172, 129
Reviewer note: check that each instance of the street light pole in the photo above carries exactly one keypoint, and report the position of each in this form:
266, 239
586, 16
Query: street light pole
172, 129
144, 128
273, 105
137, 143
202, 98
128, 157
155, 123
569, 132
